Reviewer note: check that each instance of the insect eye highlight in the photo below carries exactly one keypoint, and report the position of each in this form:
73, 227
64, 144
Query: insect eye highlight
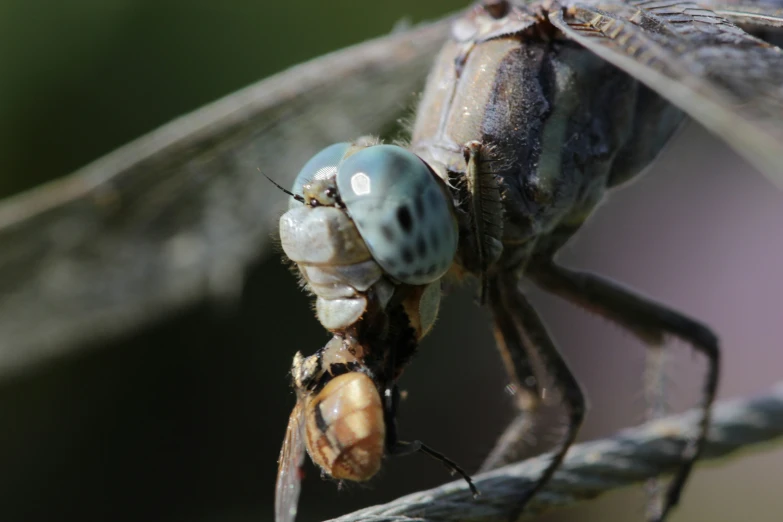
402, 211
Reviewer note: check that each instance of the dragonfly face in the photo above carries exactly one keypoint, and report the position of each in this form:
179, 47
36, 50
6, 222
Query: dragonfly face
365, 218
523, 126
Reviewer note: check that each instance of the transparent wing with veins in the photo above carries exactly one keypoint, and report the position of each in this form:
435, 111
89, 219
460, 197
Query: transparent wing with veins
289, 471
728, 80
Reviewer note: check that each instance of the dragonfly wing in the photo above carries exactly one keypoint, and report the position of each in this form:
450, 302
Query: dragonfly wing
289, 470
755, 17
728, 80
176, 216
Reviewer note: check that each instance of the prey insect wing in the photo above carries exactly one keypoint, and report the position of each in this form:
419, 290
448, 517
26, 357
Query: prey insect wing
290, 464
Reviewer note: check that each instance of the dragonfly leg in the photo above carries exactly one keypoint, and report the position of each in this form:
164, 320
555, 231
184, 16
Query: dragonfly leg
523, 383
526, 346
397, 447
649, 321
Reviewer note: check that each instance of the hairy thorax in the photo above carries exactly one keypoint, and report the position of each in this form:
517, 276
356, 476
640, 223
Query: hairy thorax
541, 124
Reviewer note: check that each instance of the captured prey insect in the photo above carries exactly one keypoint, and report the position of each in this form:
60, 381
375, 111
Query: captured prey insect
531, 113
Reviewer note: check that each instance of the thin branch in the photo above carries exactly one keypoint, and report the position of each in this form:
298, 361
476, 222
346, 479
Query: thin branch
590, 469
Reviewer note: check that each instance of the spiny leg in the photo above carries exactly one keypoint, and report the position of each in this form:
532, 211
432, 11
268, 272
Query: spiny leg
655, 396
486, 210
391, 403
524, 329
395, 446
525, 385
649, 321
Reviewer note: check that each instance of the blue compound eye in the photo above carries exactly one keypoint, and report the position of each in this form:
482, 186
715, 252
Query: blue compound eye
401, 212
320, 166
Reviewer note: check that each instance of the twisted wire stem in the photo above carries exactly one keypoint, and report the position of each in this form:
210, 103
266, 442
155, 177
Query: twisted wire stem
631, 456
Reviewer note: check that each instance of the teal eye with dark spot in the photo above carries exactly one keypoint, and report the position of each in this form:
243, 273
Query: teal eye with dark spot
398, 206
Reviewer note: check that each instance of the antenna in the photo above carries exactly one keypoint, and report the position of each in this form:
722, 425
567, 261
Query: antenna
297, 197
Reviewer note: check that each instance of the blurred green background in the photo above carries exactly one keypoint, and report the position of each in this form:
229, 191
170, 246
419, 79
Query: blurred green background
183, 421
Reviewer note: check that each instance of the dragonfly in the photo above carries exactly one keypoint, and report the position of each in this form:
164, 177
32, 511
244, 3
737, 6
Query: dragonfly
531, 113
126, 276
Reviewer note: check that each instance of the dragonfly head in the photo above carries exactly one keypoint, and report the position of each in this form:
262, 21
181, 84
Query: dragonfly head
400, 207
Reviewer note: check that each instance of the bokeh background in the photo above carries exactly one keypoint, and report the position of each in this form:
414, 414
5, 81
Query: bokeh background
184, 420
